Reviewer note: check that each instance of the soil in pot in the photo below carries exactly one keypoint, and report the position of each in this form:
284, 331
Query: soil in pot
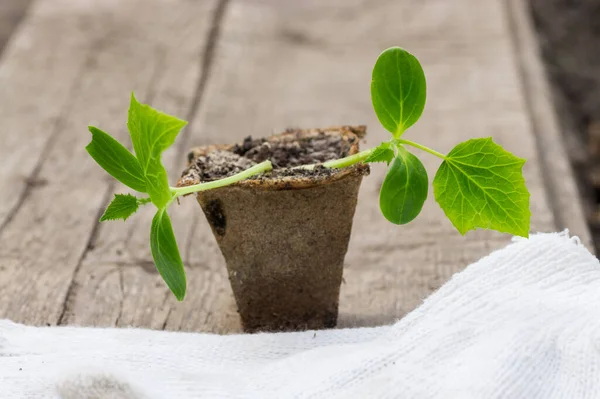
283, 234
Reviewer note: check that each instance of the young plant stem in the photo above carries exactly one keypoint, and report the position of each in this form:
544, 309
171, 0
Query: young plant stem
348, 161
256, 169
361, 156
340, 163
421, 147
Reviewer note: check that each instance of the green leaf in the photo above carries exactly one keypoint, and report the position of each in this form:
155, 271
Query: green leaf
121, 207
398, 90
166, 254
404, 188
382, 153
152, 132
480, 184
116, 159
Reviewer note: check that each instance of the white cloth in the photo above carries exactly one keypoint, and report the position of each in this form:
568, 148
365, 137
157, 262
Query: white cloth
523, 322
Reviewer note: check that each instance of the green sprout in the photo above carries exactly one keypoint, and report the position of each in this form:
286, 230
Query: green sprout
478, 184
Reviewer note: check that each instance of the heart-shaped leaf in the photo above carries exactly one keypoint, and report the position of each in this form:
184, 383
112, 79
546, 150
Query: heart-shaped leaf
480, 184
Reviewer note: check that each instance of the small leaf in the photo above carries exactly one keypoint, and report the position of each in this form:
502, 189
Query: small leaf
121, 207
152, 132
404, 188
166, 254
382, 153
114, 158
480, 184
398, 90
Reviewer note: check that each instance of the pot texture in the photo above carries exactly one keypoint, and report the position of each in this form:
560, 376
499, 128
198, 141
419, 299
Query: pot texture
284, 239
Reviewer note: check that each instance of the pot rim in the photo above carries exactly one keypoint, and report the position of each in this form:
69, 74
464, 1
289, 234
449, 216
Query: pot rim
348, 133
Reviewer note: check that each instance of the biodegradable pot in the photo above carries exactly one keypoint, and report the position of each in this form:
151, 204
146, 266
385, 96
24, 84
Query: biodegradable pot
284, 238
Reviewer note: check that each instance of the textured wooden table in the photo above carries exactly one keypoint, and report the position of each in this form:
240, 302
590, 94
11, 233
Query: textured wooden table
235, 68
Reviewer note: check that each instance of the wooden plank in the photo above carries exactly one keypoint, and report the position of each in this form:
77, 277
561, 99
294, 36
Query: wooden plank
306, 64
151, 46
47, 55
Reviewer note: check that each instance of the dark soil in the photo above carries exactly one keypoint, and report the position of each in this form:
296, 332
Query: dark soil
284, 155
569, 34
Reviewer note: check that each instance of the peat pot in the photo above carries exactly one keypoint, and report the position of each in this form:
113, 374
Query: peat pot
284, 234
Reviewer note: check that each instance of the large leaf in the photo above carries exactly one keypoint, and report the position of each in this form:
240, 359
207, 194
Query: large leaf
481, 185
166, 254
121, 207
404, 188
152, 132
398, 90
114, 158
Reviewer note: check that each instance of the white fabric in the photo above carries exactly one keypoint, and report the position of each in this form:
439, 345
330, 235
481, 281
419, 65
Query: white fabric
523, 322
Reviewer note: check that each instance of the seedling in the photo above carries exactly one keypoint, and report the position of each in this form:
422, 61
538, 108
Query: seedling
478, 184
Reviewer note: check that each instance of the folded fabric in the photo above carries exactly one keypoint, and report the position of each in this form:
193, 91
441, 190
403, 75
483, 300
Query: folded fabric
523, 322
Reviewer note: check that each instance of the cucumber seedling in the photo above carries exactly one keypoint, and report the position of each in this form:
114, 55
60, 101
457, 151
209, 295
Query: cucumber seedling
478, 184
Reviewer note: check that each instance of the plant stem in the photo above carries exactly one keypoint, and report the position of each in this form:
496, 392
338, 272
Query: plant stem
422, 147
256, 169
361, 156
347, 161
340, 163
267, 166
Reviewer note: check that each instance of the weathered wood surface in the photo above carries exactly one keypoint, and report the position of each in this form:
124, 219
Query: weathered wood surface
235, 68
